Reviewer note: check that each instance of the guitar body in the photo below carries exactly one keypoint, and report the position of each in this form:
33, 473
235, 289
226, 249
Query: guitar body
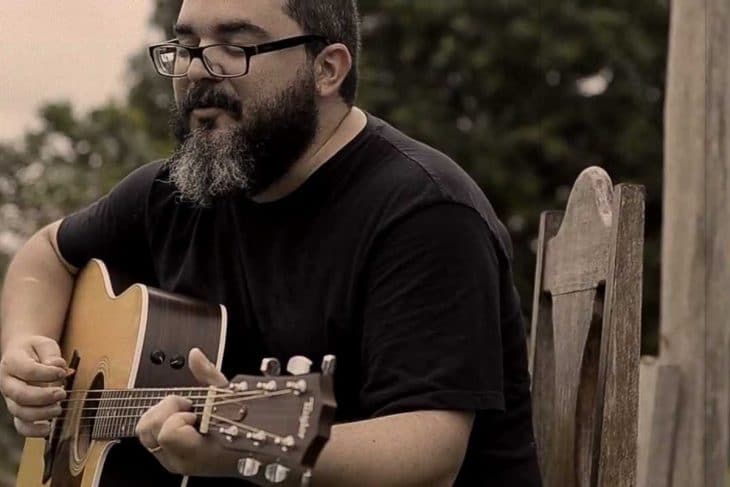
137, 339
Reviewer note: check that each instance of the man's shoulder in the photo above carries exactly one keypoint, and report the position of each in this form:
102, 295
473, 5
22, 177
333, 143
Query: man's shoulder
410, 163
411, 174
144, 176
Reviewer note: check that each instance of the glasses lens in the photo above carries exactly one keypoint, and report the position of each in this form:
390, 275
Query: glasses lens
171, 60
226, 60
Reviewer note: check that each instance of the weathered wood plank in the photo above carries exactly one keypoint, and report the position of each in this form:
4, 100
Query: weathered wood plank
542, 364
621, 340
586, 332
659, 401
695, 252
718, 244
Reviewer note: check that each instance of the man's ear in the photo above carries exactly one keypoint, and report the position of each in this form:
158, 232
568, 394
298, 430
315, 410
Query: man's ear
332, 66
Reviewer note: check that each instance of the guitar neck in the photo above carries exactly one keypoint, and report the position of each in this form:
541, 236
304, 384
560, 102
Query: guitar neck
114, 414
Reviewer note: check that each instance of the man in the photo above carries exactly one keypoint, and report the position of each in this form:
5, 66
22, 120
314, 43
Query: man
324, 231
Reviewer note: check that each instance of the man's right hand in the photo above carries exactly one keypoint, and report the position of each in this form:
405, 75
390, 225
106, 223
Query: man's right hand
31, 372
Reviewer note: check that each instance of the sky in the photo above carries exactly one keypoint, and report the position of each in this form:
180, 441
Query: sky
76, 50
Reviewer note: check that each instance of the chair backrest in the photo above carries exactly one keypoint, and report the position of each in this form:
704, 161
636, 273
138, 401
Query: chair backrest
586, 334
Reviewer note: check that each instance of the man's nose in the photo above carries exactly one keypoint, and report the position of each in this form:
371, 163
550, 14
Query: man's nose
197, 71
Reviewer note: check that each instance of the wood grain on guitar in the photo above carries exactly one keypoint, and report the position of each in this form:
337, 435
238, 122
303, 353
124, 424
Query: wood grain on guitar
130, 352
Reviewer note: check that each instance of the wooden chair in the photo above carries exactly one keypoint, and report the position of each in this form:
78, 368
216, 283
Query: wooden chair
586, 335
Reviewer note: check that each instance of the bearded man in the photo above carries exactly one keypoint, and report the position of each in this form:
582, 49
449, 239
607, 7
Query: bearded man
323, 230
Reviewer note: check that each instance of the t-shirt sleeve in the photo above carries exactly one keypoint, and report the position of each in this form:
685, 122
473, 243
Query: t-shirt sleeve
112, 228
431, 330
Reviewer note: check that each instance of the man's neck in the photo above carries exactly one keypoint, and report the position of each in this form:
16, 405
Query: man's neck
337, 128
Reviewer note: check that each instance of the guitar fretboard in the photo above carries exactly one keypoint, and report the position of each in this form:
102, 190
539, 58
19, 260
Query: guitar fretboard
115, 414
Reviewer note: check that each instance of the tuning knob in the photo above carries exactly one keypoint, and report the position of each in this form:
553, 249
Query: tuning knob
307, 478
299, 365
276, 473
328, 364
248, 467
270, 366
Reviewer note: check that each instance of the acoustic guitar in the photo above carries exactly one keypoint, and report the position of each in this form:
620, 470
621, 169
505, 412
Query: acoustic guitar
129, 351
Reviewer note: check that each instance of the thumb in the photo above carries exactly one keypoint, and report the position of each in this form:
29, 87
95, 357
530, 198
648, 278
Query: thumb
204, 370
48, 351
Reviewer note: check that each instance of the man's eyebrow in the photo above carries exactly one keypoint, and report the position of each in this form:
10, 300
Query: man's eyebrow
226, 29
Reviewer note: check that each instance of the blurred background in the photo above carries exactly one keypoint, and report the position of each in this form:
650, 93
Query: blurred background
523, 94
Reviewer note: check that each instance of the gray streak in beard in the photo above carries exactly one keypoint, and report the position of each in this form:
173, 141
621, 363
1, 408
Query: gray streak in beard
209, 164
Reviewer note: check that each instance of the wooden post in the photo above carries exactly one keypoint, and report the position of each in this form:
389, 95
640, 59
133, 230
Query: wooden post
696, 241
658, 402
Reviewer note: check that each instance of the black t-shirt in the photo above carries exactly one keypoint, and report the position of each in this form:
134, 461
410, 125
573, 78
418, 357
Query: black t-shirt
389, 256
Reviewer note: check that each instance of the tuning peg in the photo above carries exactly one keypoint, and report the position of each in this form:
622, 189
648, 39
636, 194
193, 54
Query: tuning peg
276, 473
307, 478
328, 364
248, 467
299, 365
270, 366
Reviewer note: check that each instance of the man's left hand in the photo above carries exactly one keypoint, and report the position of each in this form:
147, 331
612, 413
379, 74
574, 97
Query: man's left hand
168, 430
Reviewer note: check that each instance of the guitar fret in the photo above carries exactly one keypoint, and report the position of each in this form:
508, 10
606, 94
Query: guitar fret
107, 405
113, 412
107, 412
116, 413
100, 420
124, 433
102, 417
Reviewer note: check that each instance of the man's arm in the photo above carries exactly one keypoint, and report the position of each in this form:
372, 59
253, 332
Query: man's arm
419, 448
35, 297
409, 449
37, 290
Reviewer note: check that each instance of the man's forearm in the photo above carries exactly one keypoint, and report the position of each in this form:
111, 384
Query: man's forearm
36, 291
424, 448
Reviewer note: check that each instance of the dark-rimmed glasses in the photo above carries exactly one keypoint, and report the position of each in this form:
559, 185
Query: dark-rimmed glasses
223, 60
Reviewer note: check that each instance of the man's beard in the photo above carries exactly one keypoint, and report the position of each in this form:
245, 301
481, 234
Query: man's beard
266, 141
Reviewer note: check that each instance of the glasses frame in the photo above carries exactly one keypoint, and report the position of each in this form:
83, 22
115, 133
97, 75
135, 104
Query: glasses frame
249, 50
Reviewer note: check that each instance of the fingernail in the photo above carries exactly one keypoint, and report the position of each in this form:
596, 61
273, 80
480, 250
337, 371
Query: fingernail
59, 394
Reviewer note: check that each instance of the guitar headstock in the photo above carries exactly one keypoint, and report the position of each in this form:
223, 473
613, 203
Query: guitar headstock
279, 423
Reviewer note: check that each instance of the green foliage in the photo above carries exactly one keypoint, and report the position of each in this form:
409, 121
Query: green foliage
496, 86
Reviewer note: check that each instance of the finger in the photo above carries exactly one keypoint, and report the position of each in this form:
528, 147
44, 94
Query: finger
28, 395
31, 429
24, 367
179, 435
48, 351
149, 425
204, 371
33, 413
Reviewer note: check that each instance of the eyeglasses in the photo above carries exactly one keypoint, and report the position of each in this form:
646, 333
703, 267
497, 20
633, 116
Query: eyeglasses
171, 59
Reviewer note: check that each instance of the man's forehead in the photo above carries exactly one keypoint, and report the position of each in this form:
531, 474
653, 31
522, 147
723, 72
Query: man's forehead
209, 17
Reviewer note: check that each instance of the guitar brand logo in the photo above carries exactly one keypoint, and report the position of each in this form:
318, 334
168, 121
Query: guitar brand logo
304, 418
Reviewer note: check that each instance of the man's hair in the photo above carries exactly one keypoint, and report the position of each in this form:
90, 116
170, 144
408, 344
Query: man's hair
339, 21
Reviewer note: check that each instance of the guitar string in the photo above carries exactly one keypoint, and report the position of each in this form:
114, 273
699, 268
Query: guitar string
165, 389
216, 422
213, 403
145, 406
223, 392
160, 389
214, 417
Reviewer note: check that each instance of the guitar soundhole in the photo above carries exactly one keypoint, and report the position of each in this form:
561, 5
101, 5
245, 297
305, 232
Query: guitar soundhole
87, 417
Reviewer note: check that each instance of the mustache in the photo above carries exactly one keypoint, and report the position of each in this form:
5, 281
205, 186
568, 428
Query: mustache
205, 96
